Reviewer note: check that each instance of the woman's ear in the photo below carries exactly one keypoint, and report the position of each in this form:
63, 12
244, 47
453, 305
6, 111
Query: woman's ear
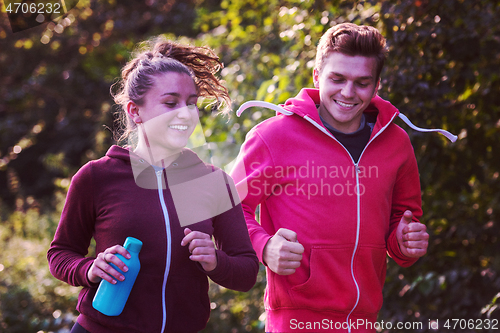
133, 112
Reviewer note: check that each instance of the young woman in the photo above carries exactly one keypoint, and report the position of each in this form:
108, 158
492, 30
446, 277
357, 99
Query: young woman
161, 193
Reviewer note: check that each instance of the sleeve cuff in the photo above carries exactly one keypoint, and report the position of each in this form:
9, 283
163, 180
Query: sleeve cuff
259, 243
84, 270
396, 254
220, 270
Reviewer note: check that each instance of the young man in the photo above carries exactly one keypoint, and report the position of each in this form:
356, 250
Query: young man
338, 187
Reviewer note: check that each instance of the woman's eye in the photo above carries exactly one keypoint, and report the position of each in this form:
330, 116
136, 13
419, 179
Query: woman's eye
170, 104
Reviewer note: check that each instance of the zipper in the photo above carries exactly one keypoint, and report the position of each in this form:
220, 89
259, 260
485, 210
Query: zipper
169, 246
358, 222
282, 110
358, 202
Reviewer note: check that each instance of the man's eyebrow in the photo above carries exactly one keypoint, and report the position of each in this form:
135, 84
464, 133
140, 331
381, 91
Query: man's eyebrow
369, 77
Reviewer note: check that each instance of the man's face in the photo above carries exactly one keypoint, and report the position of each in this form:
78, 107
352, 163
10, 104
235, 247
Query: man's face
346, 86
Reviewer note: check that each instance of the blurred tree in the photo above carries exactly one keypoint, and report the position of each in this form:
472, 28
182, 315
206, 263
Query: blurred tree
442, 71
54, 87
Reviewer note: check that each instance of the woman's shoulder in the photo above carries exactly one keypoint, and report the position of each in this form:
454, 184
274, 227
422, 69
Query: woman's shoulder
109, 163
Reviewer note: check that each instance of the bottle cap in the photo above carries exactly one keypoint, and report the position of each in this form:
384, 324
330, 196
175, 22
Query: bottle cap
133, 244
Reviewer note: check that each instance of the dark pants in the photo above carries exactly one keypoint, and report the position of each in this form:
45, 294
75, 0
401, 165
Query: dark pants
77, 328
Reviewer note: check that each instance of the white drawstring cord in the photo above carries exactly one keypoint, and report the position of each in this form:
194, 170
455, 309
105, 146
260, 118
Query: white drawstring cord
279, 109
262, 104
447, 134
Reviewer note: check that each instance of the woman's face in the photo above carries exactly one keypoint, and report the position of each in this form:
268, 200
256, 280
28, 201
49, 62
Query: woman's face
169, 114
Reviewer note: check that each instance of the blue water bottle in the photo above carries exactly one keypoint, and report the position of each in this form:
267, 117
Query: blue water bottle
110, 298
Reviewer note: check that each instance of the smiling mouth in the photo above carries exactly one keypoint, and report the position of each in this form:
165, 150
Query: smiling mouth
179, 127
345, 105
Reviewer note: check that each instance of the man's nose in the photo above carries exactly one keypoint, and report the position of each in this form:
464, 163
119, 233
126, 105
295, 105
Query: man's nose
348, 90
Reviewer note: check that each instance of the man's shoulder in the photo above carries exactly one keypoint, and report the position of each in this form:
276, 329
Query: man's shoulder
397, 139
398, 133
278, 126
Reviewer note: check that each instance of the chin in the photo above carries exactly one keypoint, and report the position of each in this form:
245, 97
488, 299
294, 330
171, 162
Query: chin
179, 145
341, 117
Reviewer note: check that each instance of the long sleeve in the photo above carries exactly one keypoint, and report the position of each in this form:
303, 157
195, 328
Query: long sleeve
67, 253
406, 196
253, 177
237, 264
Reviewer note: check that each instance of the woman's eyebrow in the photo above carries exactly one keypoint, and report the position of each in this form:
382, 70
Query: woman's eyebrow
171, 94
175, 94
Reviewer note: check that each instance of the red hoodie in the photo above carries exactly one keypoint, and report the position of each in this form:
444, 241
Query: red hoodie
345, 214
170, 294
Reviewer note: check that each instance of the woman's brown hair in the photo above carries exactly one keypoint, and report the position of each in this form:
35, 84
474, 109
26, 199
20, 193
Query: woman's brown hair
160, 56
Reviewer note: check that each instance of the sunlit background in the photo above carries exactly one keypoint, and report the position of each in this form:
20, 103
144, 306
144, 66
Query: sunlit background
56, 114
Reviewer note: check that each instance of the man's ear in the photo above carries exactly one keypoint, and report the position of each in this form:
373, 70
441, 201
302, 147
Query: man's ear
133, 112
316, 78
376, 88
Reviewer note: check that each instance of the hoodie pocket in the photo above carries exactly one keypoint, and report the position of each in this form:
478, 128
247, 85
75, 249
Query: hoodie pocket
370, 268
330, 286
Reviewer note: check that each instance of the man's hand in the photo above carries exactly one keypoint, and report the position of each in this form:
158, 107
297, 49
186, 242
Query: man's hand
201, 247
283, 253
412, 237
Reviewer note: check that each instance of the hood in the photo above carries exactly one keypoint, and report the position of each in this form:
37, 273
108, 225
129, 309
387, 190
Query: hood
186, 167
304, 105
187, 158
199, 190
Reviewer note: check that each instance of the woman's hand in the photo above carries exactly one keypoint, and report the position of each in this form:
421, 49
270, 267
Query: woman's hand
201, 247
101, 269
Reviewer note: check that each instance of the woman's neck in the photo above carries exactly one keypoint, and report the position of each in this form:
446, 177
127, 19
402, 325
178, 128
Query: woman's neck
158, 156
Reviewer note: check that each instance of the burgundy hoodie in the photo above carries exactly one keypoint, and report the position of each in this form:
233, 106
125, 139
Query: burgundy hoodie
170, 294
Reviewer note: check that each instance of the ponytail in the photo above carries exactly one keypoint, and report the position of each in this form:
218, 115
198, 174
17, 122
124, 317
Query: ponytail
164, 56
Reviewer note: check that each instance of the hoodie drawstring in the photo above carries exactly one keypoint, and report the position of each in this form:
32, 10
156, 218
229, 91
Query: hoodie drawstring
447, 134
279, 109
262, 104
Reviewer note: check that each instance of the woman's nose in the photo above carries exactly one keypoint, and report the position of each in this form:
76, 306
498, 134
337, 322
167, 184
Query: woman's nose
186, 111
183, 112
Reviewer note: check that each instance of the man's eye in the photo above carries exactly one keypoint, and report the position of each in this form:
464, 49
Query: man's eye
170, 104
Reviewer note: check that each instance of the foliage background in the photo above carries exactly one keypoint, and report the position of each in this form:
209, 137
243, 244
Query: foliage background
442, 71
